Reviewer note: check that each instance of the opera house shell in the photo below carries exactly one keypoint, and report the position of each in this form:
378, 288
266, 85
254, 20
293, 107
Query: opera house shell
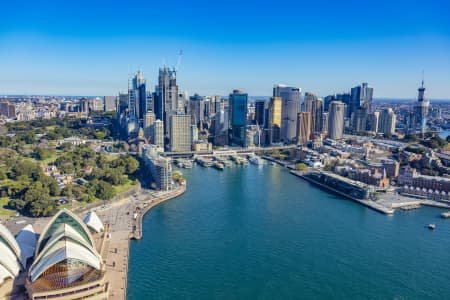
66, 263
10, 260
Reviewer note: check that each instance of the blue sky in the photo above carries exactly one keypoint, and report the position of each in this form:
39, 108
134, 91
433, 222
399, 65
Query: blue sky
91, 47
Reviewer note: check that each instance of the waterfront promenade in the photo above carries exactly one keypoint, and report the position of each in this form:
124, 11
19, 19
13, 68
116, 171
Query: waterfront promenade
124, 220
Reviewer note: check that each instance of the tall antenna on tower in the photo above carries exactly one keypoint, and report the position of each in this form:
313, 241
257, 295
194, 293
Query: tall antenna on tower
423, 77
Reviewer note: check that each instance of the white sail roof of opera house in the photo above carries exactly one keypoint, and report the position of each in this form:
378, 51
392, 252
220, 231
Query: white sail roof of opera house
65, 237
26, 239
93, 221
10, 255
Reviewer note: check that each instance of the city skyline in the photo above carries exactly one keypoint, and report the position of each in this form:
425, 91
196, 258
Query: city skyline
311, 46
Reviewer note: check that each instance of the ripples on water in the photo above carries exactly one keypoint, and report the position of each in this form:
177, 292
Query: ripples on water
260, 233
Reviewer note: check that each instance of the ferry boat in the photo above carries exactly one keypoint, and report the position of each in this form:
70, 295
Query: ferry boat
187, 164
218, 166
204, 163
256, 160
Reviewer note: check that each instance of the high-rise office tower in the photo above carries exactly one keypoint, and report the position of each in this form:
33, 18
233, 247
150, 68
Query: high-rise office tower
374, 120
260, 106
360, 118
221, 121
387, 121
327, 100
303, 127
238, 118
325, 117
98, 104
149, 119
84, 105
149, 101
290, 108
109, 103
157, 133
275, 108
314, 106
421, 110
215, 105
194, 134
137, 96
336, 112
166, 96
123, 104
196, 110
345, 98
359, 95
180, 132
183, 99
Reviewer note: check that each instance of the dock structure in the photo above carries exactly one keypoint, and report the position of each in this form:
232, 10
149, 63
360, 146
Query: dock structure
368, 203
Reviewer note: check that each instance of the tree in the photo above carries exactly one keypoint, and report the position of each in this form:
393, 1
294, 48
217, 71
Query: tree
42, 153
132, 165
67, 191
50, 183
103, 190
39, 203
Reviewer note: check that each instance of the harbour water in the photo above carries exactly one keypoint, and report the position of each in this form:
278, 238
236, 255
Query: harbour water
258, 232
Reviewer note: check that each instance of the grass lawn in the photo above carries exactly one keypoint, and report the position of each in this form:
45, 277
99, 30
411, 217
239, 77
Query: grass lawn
51, 159
50, 128
124, 187
4, 212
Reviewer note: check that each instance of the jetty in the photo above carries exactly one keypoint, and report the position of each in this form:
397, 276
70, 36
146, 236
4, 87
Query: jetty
368, 203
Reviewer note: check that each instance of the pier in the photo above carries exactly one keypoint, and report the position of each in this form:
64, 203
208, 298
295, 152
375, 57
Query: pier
368, 203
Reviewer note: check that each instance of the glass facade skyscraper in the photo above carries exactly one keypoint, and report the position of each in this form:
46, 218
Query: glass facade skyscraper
290, 97
238, 118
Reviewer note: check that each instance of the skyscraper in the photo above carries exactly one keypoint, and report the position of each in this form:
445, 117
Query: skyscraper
123, 104
325, 117
196, 110
148, 122
345, 98
336, 112
359, 95
275, 119
180, 132
290, 108
387, 121
194, 134
303, 127
314, 106
360, 118
137, 97
421, 109
157, 133
260, 112
374, 121
238, 118
109, 103
166, 96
